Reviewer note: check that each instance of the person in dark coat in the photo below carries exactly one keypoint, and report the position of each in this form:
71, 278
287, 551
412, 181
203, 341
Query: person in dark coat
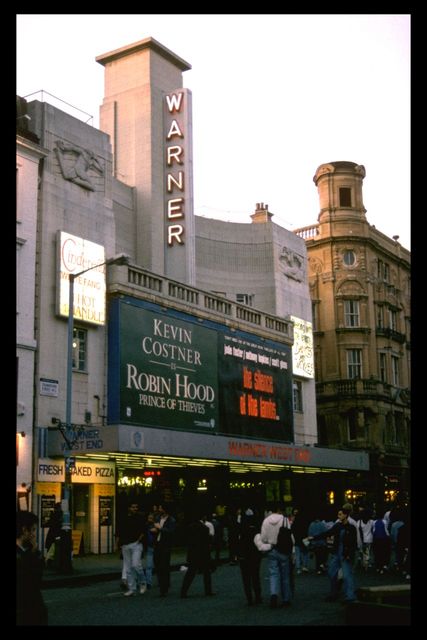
53, 536
30, 607
249, 557
162, 548
198, 556
344, 548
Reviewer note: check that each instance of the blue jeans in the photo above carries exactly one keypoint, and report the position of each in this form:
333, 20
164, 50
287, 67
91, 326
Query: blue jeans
301, 557
279, 572
132, 557
149, 561
336, 561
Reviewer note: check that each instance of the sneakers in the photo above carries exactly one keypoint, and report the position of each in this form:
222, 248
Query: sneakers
129, 593
305, 570
143, 588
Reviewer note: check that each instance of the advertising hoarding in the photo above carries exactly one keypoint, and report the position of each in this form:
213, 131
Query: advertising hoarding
172, 370
75, 254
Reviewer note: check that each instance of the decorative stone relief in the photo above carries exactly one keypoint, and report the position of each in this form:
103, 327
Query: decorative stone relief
292, 264
76, 162
316, 265
350, 287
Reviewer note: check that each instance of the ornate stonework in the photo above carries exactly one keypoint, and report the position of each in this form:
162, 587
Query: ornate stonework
292, 264
76, 162
316, 265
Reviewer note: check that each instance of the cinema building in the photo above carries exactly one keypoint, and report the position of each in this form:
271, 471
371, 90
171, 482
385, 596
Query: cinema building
193, 375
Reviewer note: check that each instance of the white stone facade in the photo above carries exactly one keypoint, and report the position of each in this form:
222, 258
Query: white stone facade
28, 156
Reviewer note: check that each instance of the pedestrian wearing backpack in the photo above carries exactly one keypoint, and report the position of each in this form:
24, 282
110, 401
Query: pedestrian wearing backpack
344, 548
279, 563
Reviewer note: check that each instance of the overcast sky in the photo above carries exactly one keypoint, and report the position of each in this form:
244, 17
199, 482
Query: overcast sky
274, 96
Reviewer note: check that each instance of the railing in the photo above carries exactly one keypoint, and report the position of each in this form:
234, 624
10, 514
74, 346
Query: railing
195, 300
79, 111
308, 232
391, 334
367, 388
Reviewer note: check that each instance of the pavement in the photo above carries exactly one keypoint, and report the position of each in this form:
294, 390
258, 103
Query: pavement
98, 598
100, 567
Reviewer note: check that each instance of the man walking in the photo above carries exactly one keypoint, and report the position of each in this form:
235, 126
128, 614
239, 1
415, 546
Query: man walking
344, 547
279, 564
130, 537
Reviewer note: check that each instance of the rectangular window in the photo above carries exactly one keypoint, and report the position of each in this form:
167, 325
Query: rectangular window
244, 298
383, 271
380, 317
386, 273
392, 319
383, 367
80, 349
354, 363
395, 370
351, 313
297, 395
345, 197
399, 422
390, 428
314, 315
352, 426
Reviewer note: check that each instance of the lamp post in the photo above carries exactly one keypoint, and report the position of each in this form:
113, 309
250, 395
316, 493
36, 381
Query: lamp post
65, 564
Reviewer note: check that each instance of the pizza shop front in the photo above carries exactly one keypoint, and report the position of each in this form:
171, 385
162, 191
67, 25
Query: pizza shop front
92, 504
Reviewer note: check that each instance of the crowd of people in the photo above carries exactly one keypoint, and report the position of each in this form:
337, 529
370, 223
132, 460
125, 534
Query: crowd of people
358, 538
353, 539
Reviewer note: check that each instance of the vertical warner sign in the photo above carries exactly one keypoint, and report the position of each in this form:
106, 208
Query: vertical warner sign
178, 172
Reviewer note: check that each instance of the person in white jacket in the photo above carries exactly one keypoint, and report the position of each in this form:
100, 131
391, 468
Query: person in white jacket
365, 529
279, 564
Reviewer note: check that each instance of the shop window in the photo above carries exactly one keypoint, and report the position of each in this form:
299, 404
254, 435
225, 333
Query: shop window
345, 197
354, 363
80, 349
351, 313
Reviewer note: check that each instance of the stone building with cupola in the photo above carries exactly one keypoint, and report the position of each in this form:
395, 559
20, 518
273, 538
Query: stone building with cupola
360, 288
